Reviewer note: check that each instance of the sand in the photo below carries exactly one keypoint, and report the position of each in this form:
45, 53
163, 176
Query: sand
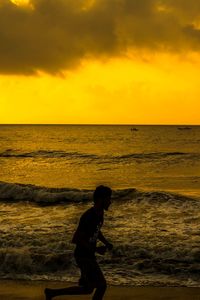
21, 290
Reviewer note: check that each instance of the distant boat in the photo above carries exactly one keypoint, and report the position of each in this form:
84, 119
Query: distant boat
134, 129
184, 128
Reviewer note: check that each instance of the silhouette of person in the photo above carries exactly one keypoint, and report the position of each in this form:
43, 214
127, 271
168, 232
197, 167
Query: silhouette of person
85, 239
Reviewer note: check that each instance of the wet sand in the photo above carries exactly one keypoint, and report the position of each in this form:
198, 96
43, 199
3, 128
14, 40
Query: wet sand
21, 290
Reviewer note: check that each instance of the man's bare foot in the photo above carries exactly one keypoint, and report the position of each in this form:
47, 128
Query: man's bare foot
47, 293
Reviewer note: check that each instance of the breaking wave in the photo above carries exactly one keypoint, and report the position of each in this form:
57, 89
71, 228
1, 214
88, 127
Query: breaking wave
16, 192
24, 261
16, 262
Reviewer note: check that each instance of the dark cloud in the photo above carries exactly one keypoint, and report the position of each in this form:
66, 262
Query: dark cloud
57, 34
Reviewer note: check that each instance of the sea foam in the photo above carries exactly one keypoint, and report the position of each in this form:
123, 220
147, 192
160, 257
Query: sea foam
15, 192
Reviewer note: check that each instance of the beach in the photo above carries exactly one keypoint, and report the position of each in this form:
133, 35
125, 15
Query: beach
48, 176
29, 290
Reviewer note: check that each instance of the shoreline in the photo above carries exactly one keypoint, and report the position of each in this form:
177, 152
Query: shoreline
32, 290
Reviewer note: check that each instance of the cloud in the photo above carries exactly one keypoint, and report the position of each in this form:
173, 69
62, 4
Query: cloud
54, 35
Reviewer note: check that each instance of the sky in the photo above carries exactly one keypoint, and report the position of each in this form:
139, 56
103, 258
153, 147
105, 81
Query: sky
100, 61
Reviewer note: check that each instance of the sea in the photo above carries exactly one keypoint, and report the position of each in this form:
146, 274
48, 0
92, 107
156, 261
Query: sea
47, 177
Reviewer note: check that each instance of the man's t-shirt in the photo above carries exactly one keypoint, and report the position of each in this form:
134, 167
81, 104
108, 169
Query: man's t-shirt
89, 226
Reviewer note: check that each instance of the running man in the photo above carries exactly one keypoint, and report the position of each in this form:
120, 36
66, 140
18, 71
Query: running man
85, 239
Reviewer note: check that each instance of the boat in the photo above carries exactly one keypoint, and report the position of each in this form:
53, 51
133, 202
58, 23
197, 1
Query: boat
134, 129
184, 128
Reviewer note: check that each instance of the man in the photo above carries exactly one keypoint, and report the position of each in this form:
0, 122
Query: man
85, 239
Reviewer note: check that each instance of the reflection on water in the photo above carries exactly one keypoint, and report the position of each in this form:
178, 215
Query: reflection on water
155, 157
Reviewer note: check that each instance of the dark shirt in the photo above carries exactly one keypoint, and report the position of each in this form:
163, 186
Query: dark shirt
89, 226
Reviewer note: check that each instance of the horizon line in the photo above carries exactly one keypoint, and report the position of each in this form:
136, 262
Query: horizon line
96, 124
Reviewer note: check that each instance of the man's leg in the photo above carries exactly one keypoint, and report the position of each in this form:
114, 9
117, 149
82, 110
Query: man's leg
100, 284
73, 290
85, 285
92, 277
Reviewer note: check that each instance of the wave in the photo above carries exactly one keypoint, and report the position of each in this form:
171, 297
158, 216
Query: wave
42, 195
16, 192
156, 259
11, 153
144, 260
159, 156
25, 261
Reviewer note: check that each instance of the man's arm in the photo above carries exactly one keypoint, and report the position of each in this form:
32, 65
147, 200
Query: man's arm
104, 241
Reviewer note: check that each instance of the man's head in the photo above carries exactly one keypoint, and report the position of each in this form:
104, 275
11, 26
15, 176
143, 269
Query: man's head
102, 196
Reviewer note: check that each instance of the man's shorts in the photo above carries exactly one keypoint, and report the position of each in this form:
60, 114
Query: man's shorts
91, 274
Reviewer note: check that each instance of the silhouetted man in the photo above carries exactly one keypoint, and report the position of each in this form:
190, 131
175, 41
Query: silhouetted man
85, 238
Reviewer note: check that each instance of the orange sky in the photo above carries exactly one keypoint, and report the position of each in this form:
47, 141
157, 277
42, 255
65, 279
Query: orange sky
142, 74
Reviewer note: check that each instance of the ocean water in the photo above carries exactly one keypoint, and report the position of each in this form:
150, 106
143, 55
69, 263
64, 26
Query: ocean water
47, 177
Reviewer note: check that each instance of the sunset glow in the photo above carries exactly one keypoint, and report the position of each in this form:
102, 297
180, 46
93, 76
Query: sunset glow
151, 79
